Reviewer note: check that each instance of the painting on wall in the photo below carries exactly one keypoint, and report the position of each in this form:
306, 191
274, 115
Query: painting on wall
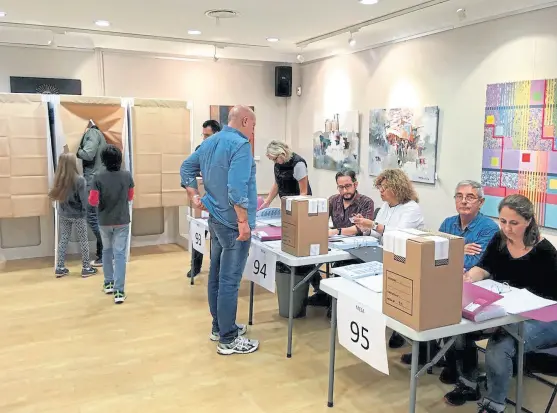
520, 152
336, 142
43, 85
220, 114
404, 138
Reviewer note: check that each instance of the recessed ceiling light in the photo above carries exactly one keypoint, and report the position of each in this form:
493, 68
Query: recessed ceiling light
194, 32
102, 23
272, 39
368, 1
3, 14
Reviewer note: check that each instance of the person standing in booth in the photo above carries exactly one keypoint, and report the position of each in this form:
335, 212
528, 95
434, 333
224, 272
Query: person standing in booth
92, 144
228, 168
210, 127
291, 173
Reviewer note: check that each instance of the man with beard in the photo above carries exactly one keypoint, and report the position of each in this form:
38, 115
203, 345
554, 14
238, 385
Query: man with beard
342, 207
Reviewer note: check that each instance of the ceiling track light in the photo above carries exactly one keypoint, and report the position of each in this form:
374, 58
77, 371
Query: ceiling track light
351, 40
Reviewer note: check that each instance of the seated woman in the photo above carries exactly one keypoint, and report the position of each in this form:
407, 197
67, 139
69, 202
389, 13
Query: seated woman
520, 256
400, 210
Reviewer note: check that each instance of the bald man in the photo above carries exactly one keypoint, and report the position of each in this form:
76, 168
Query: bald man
228, 170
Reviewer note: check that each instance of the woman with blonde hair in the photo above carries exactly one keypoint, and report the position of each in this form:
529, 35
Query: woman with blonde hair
400, 210
69, 190
291, 173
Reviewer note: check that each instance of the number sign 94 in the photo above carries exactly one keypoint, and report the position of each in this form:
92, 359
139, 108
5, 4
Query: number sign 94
261, 267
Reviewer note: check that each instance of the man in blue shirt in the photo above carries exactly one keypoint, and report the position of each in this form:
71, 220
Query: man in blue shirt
477, 231
228, 168
470, 224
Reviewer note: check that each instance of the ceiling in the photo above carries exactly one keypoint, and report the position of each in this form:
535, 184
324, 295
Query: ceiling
312, 28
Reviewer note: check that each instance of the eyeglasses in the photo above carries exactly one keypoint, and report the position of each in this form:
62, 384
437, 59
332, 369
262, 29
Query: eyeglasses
467, 198
381, 188
344, 187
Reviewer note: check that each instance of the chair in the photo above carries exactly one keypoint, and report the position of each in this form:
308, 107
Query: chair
375, 213
541, 366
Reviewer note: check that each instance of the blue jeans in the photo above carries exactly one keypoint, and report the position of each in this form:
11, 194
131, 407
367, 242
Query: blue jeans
228, 259
115, 246
502, 349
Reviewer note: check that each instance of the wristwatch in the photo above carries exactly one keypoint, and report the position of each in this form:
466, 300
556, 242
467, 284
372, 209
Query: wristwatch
374, 226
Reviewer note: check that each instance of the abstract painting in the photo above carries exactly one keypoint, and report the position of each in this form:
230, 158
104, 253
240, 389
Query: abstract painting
520, 152
336, 142
220, 114
404, 138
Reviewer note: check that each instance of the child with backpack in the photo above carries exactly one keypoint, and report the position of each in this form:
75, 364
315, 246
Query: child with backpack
111, 191
69, 190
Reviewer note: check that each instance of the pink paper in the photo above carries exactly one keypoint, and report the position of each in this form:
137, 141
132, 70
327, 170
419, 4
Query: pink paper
545, 314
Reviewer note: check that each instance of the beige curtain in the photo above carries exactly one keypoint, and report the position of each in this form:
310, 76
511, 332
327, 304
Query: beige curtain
161, 141
23, 156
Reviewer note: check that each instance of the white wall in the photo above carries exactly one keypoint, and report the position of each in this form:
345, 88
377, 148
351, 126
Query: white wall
450, 70
204, 83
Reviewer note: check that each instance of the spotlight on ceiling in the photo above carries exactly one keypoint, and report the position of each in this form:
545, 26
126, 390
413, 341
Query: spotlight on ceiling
351, 41
102, 23
300, 58
3, 14
272, 39
194, 32
368, 1
461, 13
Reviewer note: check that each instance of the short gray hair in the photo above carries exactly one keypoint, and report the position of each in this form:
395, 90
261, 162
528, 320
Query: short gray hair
475, 185
278, 148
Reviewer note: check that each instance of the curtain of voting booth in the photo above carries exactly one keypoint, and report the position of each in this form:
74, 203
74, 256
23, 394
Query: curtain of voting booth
25, 156
160, 142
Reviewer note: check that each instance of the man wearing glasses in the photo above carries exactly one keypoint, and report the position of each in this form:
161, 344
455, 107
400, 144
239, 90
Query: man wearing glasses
210, 127
470, 224
342, 207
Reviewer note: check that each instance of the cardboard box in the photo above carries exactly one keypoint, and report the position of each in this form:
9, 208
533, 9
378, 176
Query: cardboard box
194, 212
422, 278
305, 229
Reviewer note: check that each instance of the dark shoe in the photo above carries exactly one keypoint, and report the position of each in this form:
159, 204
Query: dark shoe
448, 376
396, 341
319, 299
97, 263
61, 272
87, 272
407, 358
462, 394
486, 407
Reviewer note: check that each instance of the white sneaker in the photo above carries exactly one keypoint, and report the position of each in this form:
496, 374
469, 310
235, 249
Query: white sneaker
242, 329
241, 345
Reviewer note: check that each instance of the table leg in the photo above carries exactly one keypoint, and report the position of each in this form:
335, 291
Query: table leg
251, 291
327, 269
414, 376
520, 370
290, 311
332, 351
192, 265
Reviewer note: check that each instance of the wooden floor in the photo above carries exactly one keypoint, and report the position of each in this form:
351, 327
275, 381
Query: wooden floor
65, 347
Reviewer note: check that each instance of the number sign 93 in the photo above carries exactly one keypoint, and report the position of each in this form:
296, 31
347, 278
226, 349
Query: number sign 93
261, 266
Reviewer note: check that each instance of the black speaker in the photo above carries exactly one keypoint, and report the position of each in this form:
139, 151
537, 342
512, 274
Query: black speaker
283, 81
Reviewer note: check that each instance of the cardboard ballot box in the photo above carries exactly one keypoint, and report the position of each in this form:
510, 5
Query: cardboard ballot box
194, 212
304, 225
422, 278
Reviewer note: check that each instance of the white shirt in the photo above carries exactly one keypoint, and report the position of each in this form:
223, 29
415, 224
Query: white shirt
401, 216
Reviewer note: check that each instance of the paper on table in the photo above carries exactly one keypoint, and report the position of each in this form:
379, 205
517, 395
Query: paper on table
373, 283
521, 300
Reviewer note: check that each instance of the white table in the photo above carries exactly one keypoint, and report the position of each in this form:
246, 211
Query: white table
334, 286
333, 255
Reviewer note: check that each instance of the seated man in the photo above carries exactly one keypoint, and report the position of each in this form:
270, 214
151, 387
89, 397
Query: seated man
348, 203
477, 231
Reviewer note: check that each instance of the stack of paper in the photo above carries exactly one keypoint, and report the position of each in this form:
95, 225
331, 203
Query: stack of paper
373, 283
356, 271
346, 243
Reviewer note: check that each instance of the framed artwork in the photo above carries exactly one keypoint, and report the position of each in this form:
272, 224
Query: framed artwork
336, 142
404, 138
220, 114
519, 148
43, 85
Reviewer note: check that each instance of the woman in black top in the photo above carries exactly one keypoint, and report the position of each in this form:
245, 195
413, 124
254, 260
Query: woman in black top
291, 173
519, 256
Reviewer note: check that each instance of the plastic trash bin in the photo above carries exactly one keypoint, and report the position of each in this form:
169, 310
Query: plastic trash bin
282, 281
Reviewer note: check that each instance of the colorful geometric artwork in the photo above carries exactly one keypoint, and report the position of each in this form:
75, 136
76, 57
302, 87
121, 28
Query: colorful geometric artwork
220, 114
519, 130
405, 138
336, 142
